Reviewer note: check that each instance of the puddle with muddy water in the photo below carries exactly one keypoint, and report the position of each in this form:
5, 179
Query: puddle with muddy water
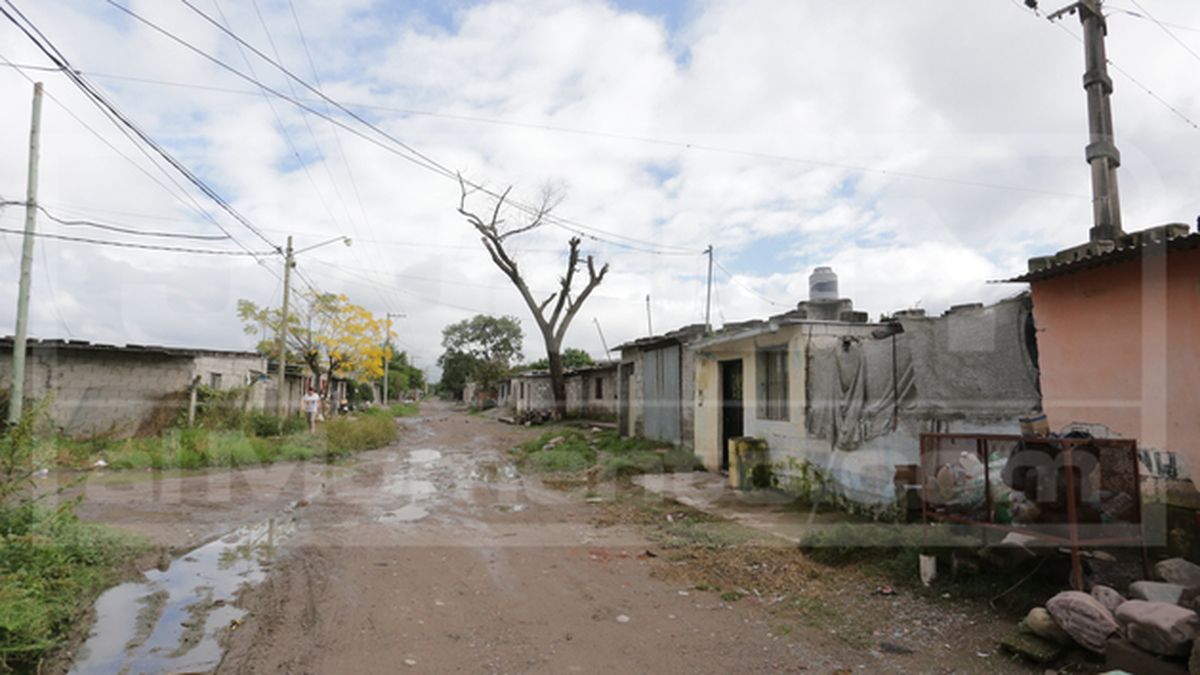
173, 621
423, 456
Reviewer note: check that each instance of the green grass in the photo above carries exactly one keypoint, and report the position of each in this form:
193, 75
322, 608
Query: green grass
395, 410
51, 568
571, 450
198, 448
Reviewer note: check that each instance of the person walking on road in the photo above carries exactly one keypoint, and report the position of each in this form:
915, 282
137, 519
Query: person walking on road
311, 403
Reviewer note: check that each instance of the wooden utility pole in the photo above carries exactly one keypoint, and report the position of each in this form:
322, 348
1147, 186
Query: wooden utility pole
708, 298
281, 399
1102, 153
16, 398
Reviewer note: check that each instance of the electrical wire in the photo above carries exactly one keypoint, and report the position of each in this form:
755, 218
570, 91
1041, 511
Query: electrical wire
187, 199
1166, 30
687, 145
146, 247
118, 228
56, 57
413, 155
747, 288
1125, 73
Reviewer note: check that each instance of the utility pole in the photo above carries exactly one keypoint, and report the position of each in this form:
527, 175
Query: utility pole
16, 398
281, 402
387, 352
708, 298
603, 342
1102, 153
649, 323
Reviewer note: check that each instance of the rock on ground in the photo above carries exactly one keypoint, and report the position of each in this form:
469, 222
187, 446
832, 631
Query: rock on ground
1159, 591
1178, 571
1159, 627
1083, 618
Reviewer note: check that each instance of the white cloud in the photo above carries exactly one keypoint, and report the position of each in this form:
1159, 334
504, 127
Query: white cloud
982, 94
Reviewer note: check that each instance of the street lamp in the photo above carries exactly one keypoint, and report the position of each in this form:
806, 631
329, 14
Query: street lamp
289, 261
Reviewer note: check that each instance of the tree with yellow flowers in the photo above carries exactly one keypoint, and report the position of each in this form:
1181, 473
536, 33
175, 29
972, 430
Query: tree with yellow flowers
326, 332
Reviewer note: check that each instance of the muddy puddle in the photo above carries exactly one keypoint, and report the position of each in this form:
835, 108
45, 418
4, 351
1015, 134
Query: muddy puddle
174, 621
423, 456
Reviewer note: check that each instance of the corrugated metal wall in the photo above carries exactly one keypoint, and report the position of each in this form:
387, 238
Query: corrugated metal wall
661, 395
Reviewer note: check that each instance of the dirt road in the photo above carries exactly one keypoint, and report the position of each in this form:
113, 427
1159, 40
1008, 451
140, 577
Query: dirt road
437, 556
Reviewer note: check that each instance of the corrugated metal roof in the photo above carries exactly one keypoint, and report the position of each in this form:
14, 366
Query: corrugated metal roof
1147, 243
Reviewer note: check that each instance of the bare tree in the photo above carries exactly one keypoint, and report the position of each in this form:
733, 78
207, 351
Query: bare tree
554, 314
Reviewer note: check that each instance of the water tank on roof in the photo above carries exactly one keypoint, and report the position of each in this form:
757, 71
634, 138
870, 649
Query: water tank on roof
822, 285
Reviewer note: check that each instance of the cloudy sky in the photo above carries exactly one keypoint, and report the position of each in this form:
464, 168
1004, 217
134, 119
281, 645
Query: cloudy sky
921, 148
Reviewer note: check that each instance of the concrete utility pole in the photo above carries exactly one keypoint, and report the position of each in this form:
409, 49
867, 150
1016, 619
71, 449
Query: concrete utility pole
708, 298
387, 353
16, 399
649, 323
281, 399
1102, 153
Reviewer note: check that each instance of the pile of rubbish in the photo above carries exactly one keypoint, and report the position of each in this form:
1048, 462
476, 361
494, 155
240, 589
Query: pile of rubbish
1154, 627
533, 417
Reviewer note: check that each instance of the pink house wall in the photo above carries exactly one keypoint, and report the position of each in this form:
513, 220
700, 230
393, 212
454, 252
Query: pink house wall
1120, 345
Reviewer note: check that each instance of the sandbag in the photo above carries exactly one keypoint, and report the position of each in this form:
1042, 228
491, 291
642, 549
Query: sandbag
1040, 623
1083, 618
1159, 627
1178, 571
1108, 597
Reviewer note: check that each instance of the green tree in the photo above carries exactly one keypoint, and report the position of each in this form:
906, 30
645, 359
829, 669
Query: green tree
481, 348
571, 358
403, 376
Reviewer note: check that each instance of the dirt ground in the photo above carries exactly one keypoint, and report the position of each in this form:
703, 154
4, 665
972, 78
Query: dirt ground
437, 556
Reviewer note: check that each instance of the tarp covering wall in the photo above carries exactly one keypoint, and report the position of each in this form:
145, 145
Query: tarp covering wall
971, 364
857, 389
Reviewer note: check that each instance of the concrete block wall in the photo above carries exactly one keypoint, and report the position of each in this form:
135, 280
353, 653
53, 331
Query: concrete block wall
100, 392
117, 391
235, 370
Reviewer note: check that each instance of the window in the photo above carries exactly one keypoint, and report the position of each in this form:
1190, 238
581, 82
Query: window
773, 384
599, 389
522, 389
214, 380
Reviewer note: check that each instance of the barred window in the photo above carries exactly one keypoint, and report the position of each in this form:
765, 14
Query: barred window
773, 384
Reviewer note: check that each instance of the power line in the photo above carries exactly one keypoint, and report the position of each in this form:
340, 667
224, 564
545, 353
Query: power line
686, 145
185, 199
414, 156
747, 288
1125, 73
118, 228
147, 247
1166, 30
59, 59
1137, 15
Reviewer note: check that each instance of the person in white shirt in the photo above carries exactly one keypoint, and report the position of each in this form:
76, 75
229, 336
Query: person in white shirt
311, 404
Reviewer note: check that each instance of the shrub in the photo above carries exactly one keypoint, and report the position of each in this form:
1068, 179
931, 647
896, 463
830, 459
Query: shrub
344, 435
51, 568
562, 458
